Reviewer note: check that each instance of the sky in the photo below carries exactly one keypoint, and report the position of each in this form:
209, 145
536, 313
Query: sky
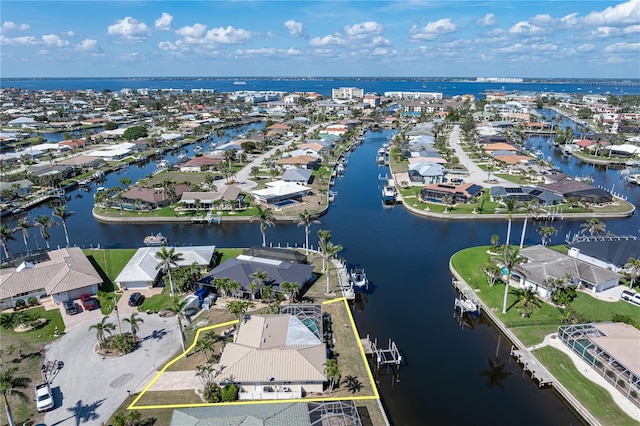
405, 38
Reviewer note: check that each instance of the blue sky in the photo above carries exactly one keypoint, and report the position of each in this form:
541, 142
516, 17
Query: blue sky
574, 39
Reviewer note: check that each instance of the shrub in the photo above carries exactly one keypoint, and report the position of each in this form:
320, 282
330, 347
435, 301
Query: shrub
230, 393
20, 303
123, 343
211, 392
32, 301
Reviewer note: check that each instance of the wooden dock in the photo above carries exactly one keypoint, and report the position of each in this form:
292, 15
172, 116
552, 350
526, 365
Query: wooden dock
532, 366
389, 356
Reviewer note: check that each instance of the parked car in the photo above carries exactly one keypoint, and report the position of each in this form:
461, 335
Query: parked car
70, 307
136, 299
89, 303
630, 297
44, 397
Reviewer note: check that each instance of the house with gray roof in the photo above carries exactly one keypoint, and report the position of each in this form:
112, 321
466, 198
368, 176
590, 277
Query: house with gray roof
243, 266
543, 264
606, 252
297, 175
63, 275
524, 194
274, 357
426, 172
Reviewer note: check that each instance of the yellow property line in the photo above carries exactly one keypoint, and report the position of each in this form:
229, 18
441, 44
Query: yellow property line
375, 395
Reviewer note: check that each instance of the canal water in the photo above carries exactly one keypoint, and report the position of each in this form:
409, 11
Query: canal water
446, 378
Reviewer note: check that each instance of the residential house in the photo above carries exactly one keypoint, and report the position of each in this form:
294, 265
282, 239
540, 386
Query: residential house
464, 192
63, 274
21, 187
525, 194
570, 188
198, 164
228, 197
142, 270
297, 175
606, 252
151, 198
280, 190
299, 161
543, 264
426, 172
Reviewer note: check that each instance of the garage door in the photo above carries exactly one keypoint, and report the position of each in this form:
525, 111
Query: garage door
75, 294
137, 285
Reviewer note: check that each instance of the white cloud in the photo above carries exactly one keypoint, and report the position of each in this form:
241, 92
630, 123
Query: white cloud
53, 40
19, 41
194, 31
380, 41
380, 51
363, 29
132, 57
432, 29
328, 40
605, 31
168, 46
543, 20
292, 51
163, 23
487, 20
631, 29
229, 35
570, 20
69, 34
129, 30
587, 47
525, 28
89, 45
622, 47
10, 25
623, 13
295, 28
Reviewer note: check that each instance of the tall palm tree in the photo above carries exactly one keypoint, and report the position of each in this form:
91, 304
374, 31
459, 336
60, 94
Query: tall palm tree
528, 207
259, 278
290, 289
101, 328
306, 219
177, 307
23, 226
266, 218
238, 308
63, 214
44, 222
546, 232
134, 323
10, 385
168, 258
510, 258
594, 227
510, 205
6, 234
324, 236
527, 301
329, 250
267, 293
633, 268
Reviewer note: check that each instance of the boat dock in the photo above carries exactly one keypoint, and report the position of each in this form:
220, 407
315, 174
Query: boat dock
208, 218
390, 356
530, 364
343, 279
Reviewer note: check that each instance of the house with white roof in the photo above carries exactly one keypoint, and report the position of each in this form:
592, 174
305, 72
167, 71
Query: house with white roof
279, 191
142, 270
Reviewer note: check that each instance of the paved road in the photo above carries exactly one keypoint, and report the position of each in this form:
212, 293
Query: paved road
88, 388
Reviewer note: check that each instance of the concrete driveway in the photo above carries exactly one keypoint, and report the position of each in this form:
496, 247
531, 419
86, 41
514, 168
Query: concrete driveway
89, 388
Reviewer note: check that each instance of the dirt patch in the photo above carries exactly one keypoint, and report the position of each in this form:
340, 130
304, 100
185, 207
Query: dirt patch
36, 324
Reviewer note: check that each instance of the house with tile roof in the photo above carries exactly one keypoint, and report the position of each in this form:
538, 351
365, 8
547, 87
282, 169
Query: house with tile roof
464, 192
63, 275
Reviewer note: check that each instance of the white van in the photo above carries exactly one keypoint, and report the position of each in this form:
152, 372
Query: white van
631, 296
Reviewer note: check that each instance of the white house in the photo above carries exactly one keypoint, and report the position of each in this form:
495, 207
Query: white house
279, 191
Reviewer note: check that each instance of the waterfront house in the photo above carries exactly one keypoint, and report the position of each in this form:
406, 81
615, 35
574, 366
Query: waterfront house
17, 188
280, 190
464, 192
570, 188
198, 164
302, 176
60, 275
543, 264
228, 197
151, 198
606, 252
142, 270
274, 357
524, 194
299, 161
426, 172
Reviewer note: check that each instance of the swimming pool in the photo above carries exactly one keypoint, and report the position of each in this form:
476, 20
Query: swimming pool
284, 203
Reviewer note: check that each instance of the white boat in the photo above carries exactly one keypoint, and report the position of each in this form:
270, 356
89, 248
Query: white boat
239, 82
359, 278
389, 194
197, 149
155, 240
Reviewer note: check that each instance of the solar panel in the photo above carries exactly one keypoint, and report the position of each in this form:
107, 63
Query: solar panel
513, 190
535, 192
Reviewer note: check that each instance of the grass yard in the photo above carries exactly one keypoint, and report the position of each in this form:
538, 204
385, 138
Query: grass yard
109, 264
595, 398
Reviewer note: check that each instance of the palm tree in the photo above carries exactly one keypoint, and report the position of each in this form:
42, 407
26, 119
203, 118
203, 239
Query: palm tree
306, 219
510, 205
324, 236
493, 272
239, 307
510, 258
206, 346
101, 328
528, 207
24, 225
545, 233
168, 258
290, 289
6, 234
259, 278
332, 370
267, 293
43, 222
593, 226
10, 385
63, 214
266, 218
177, 308
134, 323
527, 301
633, 268
328, 251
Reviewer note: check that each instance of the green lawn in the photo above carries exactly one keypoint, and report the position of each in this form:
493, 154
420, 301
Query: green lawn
109, 264
595, 398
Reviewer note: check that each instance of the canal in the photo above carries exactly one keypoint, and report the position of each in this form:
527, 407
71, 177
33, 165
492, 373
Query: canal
447, 377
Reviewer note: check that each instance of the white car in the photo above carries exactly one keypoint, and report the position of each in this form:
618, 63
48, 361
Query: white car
44, 397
